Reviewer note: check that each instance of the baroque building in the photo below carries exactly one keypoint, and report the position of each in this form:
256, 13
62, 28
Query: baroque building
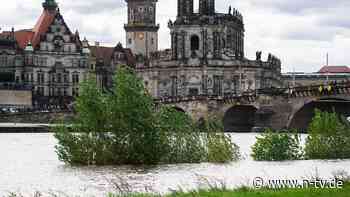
49, 57
206, 57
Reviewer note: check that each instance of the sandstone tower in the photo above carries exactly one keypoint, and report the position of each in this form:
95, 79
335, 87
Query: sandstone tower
142, 30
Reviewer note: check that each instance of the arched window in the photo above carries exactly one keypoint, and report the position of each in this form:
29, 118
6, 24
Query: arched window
194, 43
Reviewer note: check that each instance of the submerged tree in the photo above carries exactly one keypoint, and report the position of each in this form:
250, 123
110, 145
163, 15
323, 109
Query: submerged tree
123, 126
329, 137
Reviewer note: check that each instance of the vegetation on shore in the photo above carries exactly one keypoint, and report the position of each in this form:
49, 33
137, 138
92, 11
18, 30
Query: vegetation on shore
241, 192
246, 192
123, 126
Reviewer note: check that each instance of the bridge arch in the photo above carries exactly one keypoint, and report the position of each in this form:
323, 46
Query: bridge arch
302, 117
179, 109
240, 118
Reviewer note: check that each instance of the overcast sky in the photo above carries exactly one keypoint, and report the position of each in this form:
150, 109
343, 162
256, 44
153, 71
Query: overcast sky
300, 32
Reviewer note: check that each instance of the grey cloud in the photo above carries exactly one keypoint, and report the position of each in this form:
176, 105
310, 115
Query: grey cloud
92, 6
308, 35
300, 6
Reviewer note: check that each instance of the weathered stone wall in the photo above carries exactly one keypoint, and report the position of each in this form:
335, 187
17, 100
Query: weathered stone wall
38, 117
16, 98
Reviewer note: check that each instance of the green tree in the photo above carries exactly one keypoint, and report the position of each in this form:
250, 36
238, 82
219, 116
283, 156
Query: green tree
329, 137
123, 126
276, 146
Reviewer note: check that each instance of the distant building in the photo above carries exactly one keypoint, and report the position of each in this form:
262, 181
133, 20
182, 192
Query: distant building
326, 74
334, 70
104, 61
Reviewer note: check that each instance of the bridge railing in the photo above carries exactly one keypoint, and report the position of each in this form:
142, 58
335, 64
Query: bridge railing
331, 88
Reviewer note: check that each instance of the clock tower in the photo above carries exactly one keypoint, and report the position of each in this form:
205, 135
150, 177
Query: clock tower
142, 30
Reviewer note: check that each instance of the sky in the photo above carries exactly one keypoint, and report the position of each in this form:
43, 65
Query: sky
299, 32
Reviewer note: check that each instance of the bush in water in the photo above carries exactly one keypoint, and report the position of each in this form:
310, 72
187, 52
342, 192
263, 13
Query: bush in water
276, 146
122, 126
329, 137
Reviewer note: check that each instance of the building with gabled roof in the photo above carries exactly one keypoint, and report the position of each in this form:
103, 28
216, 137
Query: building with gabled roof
49, 57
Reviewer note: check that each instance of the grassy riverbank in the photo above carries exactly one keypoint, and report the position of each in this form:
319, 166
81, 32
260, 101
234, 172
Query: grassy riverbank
245, 192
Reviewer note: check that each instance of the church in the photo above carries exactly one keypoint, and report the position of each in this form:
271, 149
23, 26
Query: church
206, 54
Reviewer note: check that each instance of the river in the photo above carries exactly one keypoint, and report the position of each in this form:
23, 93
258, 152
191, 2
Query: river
28, 163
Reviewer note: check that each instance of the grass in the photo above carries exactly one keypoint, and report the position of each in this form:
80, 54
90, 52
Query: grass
246, 192
242, 192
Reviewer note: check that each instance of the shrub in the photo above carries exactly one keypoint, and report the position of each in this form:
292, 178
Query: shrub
329, 137
275, 146
220, 146
123, 126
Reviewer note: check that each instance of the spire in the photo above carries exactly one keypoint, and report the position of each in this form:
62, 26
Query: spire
50, 5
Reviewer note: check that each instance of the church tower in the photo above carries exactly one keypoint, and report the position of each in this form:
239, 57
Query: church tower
184, 8
141, 30
207, 7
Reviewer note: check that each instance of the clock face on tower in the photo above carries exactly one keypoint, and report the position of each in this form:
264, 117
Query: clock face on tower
141, 36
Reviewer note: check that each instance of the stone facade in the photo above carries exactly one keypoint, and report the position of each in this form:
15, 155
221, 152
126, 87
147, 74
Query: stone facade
49, 57
207, 57
16, 98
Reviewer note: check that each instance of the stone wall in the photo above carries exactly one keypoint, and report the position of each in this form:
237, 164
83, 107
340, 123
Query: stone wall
38, 117
16, 98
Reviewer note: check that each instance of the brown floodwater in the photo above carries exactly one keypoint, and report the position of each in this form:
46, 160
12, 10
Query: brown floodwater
28, 163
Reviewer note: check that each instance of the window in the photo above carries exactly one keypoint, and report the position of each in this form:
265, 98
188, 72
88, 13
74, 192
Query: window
36, 62
75, 78
59, 78
82, 63
59, 91
41, 78
52, 93
75, 62
130, 41
3, 60
75, 91
217, 85
194, 43
174, 86
65, 78
193, 91
40, 91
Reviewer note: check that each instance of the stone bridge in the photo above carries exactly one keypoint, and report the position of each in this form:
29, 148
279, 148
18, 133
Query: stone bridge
274, 108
